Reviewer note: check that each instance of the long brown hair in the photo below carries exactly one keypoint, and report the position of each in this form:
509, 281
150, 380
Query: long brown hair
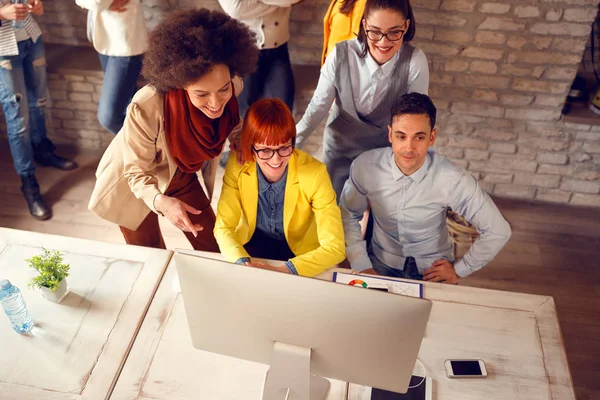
400, 6
347, 6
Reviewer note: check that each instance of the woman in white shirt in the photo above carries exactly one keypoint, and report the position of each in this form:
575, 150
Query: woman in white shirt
364, 76
118, 31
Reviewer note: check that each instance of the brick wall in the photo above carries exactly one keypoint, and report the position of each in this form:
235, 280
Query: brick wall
500, 72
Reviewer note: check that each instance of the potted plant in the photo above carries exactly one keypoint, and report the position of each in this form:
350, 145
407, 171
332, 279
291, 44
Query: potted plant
52, 275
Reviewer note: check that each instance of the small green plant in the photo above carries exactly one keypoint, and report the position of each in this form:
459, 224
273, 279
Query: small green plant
51, 268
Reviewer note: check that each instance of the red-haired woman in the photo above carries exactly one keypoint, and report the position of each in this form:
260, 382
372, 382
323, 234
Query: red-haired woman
280, 204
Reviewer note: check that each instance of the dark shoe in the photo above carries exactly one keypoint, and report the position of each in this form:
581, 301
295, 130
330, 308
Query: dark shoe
31, 190
52, 160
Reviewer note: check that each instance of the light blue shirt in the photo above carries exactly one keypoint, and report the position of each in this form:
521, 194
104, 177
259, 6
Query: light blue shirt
269, 215
410, 213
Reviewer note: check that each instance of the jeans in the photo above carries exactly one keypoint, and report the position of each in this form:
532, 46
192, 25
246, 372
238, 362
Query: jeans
273, 78
409, 271
23, 95
119, 86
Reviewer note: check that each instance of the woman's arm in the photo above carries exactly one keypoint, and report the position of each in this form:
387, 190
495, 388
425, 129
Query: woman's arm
140, 133
418, 74
329, 230
321, 102
229, 212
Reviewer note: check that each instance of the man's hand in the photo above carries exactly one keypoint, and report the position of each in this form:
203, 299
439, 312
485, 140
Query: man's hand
263, 265
14, 12
176, 211
36, 7
118, 6
441, 271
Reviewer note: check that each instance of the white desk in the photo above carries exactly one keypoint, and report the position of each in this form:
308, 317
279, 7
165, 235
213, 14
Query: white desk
76, 349
516, 334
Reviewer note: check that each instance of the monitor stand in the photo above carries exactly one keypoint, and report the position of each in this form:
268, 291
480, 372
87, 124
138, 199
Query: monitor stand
290, 370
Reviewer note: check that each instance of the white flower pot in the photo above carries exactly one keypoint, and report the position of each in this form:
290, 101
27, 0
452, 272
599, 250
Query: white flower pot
59, 294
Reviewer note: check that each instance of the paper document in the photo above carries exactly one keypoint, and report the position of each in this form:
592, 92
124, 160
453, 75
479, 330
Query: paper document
380, 283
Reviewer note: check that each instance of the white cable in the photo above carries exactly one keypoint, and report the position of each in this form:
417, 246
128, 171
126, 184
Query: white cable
424, 375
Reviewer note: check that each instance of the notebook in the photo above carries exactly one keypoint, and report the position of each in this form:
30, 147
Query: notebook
421, 392
380, 283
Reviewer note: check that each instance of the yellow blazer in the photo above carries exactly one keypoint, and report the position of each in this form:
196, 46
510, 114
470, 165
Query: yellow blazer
338, 27
312, 221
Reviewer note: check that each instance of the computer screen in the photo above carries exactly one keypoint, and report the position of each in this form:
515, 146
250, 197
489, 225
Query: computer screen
350, 334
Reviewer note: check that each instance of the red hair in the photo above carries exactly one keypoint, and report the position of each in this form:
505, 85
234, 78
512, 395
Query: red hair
268, 122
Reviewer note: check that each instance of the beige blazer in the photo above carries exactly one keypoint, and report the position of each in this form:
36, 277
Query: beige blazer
137, 164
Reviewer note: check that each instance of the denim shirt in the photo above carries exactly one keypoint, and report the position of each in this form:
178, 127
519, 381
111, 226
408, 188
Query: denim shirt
269, 216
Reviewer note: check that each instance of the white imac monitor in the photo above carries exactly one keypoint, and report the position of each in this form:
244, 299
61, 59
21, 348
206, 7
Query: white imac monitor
303, 328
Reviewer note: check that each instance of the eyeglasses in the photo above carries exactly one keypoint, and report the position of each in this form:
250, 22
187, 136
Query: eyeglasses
392, 36
267, 154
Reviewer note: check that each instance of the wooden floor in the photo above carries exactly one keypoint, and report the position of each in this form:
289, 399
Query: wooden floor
554, 250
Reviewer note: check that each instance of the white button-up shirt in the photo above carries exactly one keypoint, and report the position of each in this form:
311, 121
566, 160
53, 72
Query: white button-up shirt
118, 34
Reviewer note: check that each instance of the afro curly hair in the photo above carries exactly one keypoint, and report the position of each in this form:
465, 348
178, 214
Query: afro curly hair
187, 45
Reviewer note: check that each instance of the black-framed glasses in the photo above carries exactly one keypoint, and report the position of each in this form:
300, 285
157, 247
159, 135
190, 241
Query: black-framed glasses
392, 36
267, 154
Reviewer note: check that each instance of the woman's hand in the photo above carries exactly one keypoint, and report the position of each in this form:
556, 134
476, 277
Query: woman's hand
263, 265
14, 12
36, 7
176, 211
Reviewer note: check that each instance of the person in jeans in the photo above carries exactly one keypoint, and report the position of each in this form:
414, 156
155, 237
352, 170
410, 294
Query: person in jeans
280, 204
118, 31
410, 188
273, 76
24, 96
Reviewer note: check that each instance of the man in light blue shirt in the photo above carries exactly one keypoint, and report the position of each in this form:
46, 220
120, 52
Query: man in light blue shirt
409, 188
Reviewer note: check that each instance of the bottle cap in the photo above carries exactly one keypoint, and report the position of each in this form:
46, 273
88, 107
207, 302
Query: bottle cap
5, 284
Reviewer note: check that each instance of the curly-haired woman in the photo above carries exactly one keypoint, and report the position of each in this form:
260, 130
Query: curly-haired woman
176, 126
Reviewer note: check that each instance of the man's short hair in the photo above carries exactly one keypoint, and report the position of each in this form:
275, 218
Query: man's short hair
414, 103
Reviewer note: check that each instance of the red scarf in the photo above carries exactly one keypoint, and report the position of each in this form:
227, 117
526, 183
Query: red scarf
191, 135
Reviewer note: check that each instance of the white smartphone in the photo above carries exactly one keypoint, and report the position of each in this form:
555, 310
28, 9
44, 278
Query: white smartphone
465, 369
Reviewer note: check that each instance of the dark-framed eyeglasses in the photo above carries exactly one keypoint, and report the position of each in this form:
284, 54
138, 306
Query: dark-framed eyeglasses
392, 36
267, 154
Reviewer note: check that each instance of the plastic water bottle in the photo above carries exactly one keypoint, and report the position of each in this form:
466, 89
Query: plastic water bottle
18, 23
14, 306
